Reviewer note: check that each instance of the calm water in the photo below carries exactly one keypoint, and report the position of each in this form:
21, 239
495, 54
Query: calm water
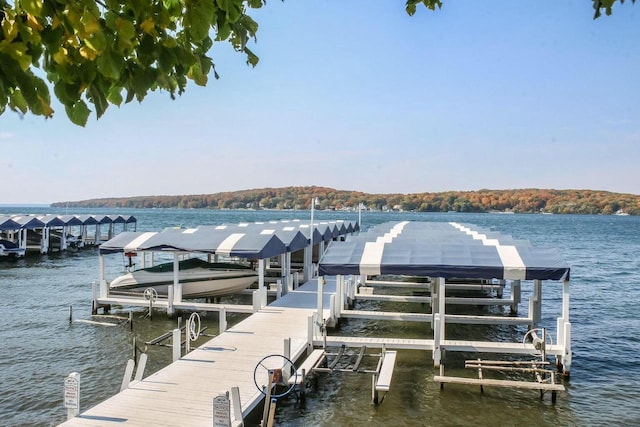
40, 347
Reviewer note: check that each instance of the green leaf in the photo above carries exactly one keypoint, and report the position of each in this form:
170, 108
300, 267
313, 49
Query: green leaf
110, 64
166, 60
115, 95
195, 73
198, 18
78, 113
17, 101
224, 31
142, 80
33, 7
67, 93
126, 33
252, 59
98, 98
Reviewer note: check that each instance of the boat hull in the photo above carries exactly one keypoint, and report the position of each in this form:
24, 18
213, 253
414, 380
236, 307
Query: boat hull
10, 249
211, 280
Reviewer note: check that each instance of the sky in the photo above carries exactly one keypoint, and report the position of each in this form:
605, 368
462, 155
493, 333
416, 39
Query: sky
360, 96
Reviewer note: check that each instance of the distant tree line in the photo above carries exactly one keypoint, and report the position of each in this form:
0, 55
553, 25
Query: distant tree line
299, 198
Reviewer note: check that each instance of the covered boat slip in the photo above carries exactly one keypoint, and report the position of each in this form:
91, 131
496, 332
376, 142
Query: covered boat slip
44, 233
444, 256
257, 244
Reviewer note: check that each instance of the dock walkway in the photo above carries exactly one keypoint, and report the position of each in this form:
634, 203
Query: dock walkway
182, 393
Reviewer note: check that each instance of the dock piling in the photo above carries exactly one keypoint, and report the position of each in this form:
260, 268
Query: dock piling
177, 345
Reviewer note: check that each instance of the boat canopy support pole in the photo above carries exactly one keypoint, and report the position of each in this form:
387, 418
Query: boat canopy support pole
306, 270
260, 273
287, 263
283, 273
537, 302
439, 327
319, 283
104, 287
564, 332
177, 286
515, 295
63, 239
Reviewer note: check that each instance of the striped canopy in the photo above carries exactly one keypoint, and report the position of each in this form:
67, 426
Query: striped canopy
448, 250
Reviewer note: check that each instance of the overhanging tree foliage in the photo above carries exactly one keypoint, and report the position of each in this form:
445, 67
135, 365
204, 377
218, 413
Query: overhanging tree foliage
101, 52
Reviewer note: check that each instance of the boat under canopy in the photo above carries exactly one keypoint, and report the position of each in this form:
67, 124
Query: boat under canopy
199, 278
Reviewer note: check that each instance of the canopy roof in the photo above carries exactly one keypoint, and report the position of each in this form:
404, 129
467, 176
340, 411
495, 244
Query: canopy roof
245, 240
6, 223
28, 221
449, 250
244, 245
16, 222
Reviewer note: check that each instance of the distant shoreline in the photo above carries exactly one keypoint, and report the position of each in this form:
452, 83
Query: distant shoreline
529, 200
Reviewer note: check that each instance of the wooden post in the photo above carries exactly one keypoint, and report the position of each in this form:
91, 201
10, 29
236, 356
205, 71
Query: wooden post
104, 288
537, 295
320, 296
177, 344
142, 363
289, 276
223, 320
127, 375
310, 334
260, 273
332, 309
170, 300
177, 286
94, 298
256, 298
515, 295
267, 400
237, 405
272, 412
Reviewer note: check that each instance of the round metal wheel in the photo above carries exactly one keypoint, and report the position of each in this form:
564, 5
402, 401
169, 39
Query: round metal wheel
283, 369
194, 326
529, 335
150, 294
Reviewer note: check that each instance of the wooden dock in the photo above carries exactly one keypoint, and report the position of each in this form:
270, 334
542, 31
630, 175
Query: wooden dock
183, 392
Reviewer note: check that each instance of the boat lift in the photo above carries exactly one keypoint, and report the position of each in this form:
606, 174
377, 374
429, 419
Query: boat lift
544, 375
348, 360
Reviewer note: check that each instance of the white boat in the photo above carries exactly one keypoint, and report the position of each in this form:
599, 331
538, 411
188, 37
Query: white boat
199, 279
10, 249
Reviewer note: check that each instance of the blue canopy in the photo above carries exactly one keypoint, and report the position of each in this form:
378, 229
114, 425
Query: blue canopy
6, 223
230, 242
51, 220
29, 221
448, 250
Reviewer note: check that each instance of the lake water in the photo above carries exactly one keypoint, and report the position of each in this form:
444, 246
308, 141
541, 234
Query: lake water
39, 347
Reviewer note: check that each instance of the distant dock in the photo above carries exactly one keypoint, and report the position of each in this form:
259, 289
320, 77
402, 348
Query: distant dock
49, 233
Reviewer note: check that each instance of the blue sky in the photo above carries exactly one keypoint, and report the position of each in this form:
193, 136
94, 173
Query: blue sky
359, 96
